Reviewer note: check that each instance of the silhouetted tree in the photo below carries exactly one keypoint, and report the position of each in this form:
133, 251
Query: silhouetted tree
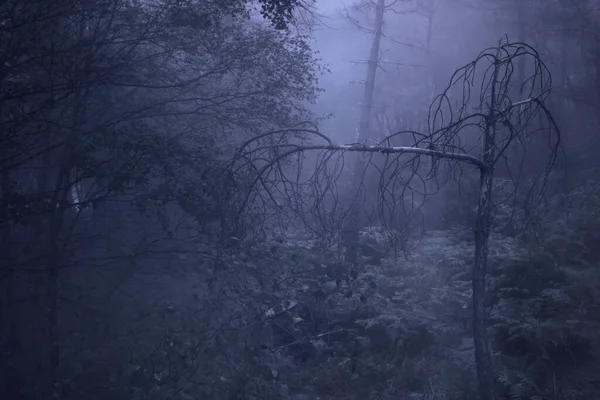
474, 136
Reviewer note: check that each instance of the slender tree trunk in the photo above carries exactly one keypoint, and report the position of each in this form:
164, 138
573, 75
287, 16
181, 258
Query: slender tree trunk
52, 282
483, 355
7, 273
51, 311
57, 241
9, 322
40, 238
483, 352
521, 21
352, 221
431, 6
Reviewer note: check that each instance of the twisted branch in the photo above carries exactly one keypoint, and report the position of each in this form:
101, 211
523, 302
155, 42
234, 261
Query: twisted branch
278, 185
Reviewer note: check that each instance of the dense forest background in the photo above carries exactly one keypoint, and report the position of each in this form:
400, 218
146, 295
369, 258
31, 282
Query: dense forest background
157, 243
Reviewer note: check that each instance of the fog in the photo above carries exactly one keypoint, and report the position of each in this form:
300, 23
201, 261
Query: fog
298, 200
343, 36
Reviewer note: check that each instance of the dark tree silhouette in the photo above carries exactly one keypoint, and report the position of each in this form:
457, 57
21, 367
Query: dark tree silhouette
477, 134
109, 112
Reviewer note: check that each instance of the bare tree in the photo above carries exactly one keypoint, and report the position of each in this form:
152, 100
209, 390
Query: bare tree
473, 136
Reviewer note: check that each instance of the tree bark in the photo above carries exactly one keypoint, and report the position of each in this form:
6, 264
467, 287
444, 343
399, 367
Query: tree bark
483, 355
352, 221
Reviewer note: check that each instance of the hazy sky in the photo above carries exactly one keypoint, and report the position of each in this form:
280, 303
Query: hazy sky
459, 32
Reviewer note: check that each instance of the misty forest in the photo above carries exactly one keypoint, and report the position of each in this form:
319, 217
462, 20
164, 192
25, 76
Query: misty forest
300, 199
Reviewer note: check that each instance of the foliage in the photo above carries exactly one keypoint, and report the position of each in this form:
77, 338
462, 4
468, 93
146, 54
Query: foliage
394, 327
116, 120
123, 249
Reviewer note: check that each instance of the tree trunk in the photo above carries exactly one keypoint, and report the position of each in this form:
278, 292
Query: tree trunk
352, 221
483, 355
7, 273
485, 209
521, 26
12, 376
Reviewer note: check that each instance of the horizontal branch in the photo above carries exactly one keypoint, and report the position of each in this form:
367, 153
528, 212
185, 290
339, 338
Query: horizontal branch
396, 150
362, 148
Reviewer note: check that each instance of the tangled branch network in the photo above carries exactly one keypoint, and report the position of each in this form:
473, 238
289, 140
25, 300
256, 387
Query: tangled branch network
472, 124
